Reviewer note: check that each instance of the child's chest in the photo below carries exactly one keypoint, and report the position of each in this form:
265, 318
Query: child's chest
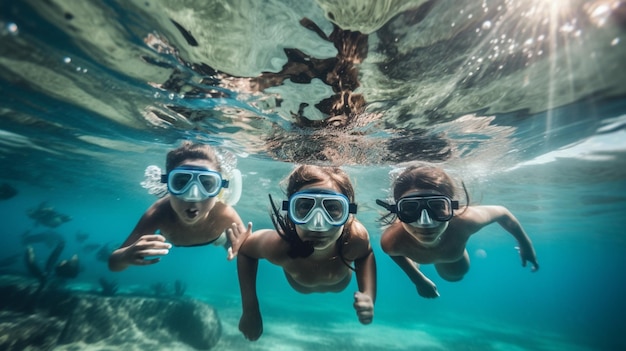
447, 249
191, 235
312, 271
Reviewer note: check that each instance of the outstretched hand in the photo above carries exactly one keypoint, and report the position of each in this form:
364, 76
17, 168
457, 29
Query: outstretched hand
364, 307
251, 325
528, 255
427, 289
147, 246
237, 234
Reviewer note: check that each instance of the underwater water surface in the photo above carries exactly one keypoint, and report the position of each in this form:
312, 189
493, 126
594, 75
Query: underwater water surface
524, 101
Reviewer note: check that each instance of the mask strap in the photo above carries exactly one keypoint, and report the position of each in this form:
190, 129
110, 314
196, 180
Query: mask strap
387, 206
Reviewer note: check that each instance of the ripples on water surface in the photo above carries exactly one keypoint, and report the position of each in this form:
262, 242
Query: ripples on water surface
522, 99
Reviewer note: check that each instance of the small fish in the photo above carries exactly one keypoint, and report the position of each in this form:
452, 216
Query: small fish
81, 236
47, 216
7, 191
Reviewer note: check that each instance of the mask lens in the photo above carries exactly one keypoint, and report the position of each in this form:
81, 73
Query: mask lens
334, 208
439, 209
409, 210
179, 181
210, 182
302, 207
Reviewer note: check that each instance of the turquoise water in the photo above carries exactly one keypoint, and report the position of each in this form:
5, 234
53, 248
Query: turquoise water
84, 108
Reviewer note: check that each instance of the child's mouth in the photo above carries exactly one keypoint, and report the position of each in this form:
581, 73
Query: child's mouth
191, 212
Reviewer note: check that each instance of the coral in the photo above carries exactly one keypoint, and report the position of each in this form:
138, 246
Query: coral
65, 269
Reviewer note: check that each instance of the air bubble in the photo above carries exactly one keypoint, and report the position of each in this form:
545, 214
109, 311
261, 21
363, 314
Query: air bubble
12, 28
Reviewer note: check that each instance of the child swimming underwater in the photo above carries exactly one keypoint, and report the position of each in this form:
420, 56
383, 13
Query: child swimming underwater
314, 245
428, 231
190, 215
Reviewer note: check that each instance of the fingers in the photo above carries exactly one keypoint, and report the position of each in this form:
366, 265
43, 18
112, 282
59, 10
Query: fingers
231, 254
146, 253
237, 234
152, 241
364, 307
146, 262
152, 252
153, 237
237, 230
535, 266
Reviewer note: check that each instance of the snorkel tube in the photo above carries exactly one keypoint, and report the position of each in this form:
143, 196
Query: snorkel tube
232, 194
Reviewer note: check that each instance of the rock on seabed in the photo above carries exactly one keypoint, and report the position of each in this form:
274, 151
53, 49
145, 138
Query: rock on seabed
65, 320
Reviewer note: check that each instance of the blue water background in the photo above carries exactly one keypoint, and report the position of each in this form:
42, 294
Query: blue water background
576, 297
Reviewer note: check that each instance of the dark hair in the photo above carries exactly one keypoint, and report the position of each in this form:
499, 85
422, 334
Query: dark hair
299, 177
423, 176
191, 151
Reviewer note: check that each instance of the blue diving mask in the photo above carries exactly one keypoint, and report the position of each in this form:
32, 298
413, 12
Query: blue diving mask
194, 184
318, 209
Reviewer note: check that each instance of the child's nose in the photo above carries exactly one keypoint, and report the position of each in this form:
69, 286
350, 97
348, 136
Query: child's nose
425, 218
193, 194
319, 223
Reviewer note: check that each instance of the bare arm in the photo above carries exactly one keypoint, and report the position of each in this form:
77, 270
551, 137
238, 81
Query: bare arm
251, 322
236, 236
365, 268
507, 220
141, 242
364, 299
425, 287
392, 247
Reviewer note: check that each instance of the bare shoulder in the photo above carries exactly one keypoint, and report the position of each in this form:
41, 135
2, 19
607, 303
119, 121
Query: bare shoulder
482, 214
226, 212
265, 243
394, 241
358, 244
159, 211
359, 232
157, 217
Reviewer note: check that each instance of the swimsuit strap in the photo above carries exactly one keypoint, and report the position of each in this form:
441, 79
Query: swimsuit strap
219, 241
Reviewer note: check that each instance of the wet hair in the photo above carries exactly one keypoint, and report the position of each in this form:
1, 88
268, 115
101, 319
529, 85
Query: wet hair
423, 176
304, 175
191, 151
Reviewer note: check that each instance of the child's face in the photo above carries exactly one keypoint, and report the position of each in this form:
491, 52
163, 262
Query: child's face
192, 212
424, 229
321, 239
